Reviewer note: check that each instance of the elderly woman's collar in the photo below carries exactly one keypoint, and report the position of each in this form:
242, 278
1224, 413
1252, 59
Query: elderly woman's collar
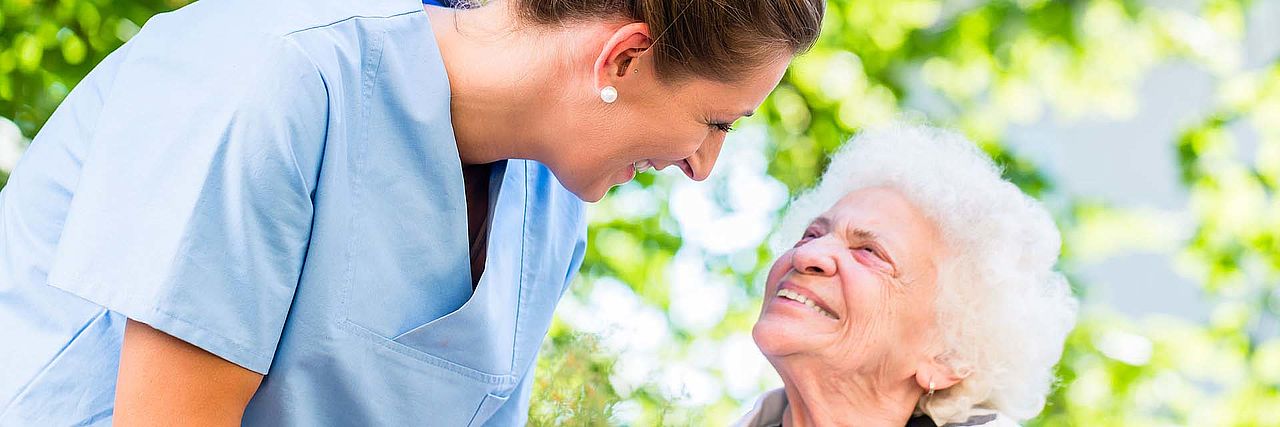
976, 420
771, 406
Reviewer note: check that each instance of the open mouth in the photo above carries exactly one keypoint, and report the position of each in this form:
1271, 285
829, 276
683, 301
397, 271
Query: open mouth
797, 297
645, 165
642, 166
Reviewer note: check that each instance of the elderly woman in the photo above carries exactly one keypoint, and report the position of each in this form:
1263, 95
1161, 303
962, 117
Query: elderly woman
921, 292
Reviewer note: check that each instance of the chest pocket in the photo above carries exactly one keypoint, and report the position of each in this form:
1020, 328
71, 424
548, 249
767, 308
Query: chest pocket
492, 337
500, 328
411, 285
537, 242
409, 279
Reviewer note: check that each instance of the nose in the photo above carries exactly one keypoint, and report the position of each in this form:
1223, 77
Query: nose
703, 160
814, 257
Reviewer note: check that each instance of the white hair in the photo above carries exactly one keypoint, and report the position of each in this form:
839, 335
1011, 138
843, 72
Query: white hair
1003, 312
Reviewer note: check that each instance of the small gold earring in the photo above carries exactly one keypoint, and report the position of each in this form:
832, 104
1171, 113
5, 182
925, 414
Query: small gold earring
931, 389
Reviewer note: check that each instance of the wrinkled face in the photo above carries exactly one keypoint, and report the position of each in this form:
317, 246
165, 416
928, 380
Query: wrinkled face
856, 292
681, 124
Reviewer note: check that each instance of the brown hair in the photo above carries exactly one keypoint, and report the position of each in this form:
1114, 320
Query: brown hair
716, 39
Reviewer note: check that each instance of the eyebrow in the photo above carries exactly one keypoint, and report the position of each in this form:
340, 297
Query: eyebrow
742, 116
864, 234
859, 233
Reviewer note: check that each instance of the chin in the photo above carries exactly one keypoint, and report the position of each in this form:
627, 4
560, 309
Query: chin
588, 191
781, 334
774, 339
590, 195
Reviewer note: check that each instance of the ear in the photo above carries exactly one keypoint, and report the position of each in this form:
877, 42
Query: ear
618, 53
940, 374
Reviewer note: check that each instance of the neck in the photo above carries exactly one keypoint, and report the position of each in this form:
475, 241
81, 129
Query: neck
822, 396
498, 81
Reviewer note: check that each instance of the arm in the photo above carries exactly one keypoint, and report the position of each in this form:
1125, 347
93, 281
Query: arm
164, 380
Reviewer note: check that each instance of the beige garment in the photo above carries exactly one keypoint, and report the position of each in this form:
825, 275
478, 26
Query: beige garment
773, 404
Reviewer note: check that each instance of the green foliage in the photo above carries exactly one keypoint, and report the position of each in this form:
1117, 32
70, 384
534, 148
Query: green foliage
572, 381
981, 67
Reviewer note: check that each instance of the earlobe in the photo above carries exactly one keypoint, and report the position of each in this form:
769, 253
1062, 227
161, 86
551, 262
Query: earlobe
935, 375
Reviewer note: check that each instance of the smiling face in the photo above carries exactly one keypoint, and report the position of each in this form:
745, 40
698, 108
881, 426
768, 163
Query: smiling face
683, 70
856, 292
659, 124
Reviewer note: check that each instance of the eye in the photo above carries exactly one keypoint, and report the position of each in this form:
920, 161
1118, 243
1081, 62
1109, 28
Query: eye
809, 234
722, 127
872, 251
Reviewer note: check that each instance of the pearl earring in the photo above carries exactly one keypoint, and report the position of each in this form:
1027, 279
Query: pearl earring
608, 94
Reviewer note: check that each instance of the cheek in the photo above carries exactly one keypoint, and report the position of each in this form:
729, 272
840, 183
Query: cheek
776, 272
864, 291
922, 308
668, 139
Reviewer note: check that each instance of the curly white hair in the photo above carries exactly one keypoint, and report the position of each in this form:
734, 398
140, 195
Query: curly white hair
1002, 309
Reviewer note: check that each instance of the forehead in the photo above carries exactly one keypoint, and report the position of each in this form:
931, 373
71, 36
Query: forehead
885, 212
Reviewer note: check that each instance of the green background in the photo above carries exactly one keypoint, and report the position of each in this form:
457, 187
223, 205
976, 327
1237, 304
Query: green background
988, 66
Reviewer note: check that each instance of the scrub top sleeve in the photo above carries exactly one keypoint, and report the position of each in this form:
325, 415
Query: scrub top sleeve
193, 210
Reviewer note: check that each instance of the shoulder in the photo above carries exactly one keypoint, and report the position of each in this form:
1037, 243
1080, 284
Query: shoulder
767, 410
248, 19
186, 51
984, 419
999, 420
235, 35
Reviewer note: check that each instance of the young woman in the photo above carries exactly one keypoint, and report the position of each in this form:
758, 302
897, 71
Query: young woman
347, 212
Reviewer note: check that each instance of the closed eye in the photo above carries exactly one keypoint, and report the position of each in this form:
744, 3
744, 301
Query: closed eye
878, 257
722, 127
870, 250
809, 234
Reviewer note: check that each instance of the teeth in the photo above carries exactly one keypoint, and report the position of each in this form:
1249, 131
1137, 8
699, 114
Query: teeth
795, 296
642, 166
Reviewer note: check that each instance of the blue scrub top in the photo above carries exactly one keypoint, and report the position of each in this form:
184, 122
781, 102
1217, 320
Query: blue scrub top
277, 183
